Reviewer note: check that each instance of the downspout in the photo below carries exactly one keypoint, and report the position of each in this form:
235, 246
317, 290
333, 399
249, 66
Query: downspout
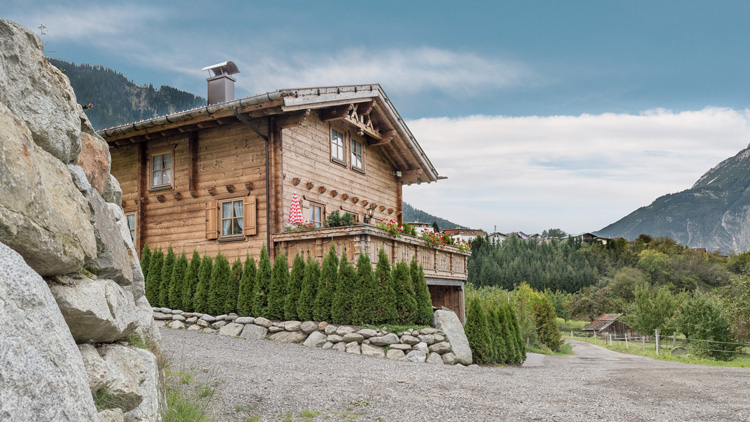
268, 180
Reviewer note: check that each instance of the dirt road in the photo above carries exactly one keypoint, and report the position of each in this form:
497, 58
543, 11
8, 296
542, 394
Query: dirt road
264, 380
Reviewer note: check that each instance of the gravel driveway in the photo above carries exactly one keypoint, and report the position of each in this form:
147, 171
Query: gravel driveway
266, 381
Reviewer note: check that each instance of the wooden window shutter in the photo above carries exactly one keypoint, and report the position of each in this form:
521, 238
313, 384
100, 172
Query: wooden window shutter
250, 216
212, 214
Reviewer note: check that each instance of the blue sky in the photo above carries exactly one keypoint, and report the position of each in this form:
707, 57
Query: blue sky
542, 114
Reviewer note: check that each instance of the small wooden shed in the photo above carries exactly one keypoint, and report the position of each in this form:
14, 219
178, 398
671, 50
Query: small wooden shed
607, 324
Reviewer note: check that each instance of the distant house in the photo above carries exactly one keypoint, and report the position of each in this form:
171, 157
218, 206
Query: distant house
497, 237
607, 324
420, 227
467, 235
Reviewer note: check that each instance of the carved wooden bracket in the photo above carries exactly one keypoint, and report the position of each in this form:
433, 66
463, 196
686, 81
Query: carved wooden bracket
364, 203
194, 194
322, 189
124, 203
355, 200
160, 198
296, 181
249, 186
344, 197
382, 208
230, 188
385, 138
177, 196
309, 185
212, 191
334, 193
410, 175
390, 210
336, 113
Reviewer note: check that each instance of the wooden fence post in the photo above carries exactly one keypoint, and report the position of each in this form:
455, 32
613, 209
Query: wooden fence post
657, 342
674, 339
626, 342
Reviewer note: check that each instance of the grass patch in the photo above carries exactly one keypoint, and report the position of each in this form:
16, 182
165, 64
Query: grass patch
392, 328
571, 325
565, 350
308, 414
636, 348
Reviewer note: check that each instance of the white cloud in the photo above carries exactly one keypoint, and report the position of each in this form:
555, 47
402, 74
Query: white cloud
578, 173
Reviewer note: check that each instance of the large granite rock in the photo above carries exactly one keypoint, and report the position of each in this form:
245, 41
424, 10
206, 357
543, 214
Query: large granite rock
42, 377
38, 93
253, 332
96, 310
138, 286
146, 326
288, 336
232, 329
112, 259
315, 339
94, 159
43, 215
448, 323
136, 370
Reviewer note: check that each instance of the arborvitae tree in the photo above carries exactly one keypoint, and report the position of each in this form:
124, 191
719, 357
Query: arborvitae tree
421, 294
166, 277
145, 263
366, 286
217, 287
233, 287
517, 335
176, 285
306, 302
277, 290
497, 332
344, 300
262, 283
513, 355
294, 288
200, 300
190, 284
245, 297
385, 308
546, 322
477, 331
406, 306
153, 282
326, 286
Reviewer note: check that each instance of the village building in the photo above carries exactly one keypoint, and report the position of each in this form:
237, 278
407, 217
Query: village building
608, 324
466, 235
222, 177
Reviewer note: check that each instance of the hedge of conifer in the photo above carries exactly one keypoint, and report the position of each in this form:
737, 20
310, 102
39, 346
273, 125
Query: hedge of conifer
493, 332
338, 291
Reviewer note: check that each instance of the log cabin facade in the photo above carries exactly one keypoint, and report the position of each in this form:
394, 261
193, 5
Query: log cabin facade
222, 177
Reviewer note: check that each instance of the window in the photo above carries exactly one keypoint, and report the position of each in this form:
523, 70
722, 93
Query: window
357, 163
316, 214
161, 170
231, 218
337, 146
131, 226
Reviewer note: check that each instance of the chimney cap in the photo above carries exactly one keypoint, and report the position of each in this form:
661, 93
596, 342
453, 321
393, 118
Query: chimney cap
225, 68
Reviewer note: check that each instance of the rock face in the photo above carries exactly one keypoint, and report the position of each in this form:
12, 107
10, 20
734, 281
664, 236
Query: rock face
448, 322
42, 372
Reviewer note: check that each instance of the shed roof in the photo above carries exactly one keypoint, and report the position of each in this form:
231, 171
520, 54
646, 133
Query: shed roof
604, 321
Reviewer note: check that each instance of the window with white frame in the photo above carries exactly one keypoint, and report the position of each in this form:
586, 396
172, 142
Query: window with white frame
316, 214
231, 217
337, 146
161, 170
131, 226
357, 157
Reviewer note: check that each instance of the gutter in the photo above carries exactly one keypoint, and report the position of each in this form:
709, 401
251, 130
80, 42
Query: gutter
247, 123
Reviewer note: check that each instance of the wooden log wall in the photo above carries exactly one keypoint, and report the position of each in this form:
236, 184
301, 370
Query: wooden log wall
224, 158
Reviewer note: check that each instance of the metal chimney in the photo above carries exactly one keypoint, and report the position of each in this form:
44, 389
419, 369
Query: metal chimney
221, 84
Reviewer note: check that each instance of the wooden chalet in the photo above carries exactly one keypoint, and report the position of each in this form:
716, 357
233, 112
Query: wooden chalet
607, 324
222, 177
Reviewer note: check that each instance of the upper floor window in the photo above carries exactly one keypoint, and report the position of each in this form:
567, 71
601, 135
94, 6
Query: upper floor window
131, 226
231, 217
357, 162
316, 214
161, 170
337, 146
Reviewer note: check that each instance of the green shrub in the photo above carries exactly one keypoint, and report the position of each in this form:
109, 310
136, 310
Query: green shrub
262, 283
166, 277
306, 302
384, 310
513, 354
424, 314
326, 286
548, 332
477, 331
177, 280
294, 288
218, 284
497, 335
153, 282
516, 331
190, 284
245, 297
343, 308
335, 219
277, 290
406, 306
200, 300
233, 287
145, 260
365, 297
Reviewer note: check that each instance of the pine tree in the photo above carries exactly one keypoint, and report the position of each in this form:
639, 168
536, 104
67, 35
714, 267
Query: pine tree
176, 285
294, 288
477, 331
245, 297
342, 309
277, 290
385, 307
218, 284
166, 277
200, 300
190, 284
262, 283
145, 260
366, 286
326, 286
153, 282
406, 306
306, 302
421, 294
233, 287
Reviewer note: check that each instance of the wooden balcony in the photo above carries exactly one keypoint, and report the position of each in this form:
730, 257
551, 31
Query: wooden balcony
444, 267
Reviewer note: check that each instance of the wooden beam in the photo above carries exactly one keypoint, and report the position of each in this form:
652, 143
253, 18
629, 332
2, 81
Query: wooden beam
385, 138
336, 113
177, 196
294, 118
408, 176
364, 109
193, 163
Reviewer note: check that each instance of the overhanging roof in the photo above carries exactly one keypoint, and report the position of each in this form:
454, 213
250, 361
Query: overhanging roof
398, 143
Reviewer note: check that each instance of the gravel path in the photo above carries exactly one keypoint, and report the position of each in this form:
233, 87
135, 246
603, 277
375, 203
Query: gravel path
266, 381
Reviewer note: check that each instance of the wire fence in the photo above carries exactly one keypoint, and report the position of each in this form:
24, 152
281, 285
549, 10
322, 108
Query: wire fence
660, 343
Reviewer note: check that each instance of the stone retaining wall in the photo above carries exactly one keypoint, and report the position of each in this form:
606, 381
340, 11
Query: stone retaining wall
429, 345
